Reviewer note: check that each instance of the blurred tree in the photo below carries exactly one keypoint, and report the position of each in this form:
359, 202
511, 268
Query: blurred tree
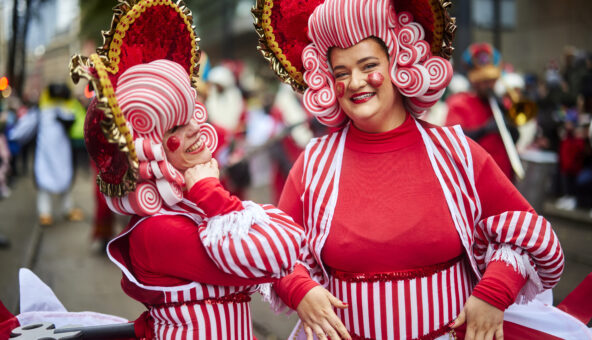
95, 16
214, 20
22, 12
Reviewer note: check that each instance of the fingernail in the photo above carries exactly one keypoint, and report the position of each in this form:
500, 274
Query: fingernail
451, 324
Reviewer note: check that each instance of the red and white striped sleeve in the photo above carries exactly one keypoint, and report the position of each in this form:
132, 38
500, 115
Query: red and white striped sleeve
511, 231
527, 242
256, 241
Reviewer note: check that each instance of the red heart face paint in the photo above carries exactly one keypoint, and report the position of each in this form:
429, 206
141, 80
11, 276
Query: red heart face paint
173, 143
375, 79
340, 89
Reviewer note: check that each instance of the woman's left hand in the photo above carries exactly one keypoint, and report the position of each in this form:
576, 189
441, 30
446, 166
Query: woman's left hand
484, 321
201, 171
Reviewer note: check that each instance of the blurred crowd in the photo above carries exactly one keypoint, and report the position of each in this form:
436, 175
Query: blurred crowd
558, 133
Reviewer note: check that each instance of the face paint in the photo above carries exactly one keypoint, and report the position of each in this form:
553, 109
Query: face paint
375, 79
173, 143
340, 89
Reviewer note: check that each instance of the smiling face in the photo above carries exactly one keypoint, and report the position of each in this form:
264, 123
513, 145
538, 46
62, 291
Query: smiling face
184, 147
364, 91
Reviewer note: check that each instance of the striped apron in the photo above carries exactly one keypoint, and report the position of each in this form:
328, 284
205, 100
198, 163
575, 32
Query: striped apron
410, 304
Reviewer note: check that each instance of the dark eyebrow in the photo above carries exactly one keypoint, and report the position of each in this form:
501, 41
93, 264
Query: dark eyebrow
361, 61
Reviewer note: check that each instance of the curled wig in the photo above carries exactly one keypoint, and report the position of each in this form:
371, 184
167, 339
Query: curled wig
418, 75
154, 98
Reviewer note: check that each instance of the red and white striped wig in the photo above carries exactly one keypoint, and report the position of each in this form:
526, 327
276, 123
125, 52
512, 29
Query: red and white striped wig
419, 76
154, 98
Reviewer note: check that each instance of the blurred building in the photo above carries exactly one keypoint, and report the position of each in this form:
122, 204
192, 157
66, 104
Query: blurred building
52, 38
531, 32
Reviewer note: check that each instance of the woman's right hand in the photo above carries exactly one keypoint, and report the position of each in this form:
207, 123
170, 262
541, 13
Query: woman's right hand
317, 315
201, 171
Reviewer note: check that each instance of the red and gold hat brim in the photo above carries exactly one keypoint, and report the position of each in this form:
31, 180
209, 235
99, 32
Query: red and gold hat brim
141, 31
282, 26
107, 134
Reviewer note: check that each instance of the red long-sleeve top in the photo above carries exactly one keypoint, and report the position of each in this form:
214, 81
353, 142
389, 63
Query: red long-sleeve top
167, 251
391, 213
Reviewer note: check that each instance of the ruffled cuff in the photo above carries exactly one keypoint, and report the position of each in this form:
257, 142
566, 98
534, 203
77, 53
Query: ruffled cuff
211, 197
520, 262
235, 224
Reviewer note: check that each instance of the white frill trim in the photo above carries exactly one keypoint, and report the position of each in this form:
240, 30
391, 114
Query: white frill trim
235, 224
520, 263
270, 296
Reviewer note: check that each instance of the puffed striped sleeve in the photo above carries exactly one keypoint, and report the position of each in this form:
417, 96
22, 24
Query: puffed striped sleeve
255, 241
511, 231
527, 242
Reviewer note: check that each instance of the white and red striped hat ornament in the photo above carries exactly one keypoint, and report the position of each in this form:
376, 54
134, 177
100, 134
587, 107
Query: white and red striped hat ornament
417, 34
144, 80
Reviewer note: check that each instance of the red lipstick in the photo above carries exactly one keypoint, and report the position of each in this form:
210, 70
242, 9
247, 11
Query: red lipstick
362, 97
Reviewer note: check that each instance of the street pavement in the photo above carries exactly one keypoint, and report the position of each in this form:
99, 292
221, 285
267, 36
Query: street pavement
84, 279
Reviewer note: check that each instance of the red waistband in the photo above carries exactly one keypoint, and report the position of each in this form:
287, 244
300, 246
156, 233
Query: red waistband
396, 275
239, 297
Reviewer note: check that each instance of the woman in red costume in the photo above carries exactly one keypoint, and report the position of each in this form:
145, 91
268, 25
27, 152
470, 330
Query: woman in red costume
192, 253
412, 231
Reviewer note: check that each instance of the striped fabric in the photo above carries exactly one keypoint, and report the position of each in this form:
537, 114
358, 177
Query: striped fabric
231, 320
420, 307
267, 246
522, 239
520, 233
526, 233
320, 196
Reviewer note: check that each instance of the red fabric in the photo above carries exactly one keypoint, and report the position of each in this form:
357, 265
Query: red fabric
500, 285
472, 113
289, 20
167, 250
111, 162
579, 302
144, 326
571, 155
212, 198
159, 33
409, 225
8, 322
